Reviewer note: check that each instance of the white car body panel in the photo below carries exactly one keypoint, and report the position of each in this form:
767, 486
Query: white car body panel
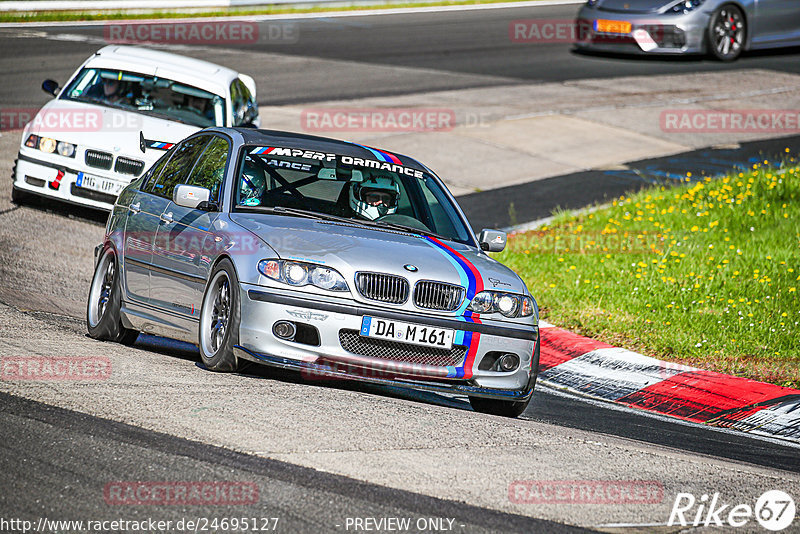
118, 132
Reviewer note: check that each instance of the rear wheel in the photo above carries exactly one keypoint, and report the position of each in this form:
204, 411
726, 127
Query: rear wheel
508, 408
727, 31
105, 297
219, 319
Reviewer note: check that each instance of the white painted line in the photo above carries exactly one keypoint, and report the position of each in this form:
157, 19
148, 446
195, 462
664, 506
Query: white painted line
291, 16
632, 525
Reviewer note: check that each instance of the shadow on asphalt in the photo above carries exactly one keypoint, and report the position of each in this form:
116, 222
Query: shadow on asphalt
684, 58
250, 370
70, 211
548, 406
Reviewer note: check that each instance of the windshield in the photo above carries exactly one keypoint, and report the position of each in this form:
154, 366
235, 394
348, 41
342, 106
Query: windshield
150, 95
354, 189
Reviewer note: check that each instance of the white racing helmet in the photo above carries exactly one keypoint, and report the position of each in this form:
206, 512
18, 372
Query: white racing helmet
374, 196
253, 184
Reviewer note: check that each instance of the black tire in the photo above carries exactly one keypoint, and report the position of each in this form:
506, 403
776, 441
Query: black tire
726, 33
509, 408
103, 307
219, 319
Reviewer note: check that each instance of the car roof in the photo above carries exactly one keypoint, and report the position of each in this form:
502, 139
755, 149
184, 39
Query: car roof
253, 136
144, 58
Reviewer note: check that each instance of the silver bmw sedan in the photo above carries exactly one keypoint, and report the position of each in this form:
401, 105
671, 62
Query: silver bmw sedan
334, 259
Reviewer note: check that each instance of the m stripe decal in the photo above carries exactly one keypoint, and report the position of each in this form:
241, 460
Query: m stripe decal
471, 278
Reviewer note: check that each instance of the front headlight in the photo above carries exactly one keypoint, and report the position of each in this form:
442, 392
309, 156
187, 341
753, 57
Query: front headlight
47, 144
685, 6
65, 149
300, 274
508, 304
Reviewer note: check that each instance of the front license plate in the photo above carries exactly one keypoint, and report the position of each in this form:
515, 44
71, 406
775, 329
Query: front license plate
612, 26
427, 336
96, 183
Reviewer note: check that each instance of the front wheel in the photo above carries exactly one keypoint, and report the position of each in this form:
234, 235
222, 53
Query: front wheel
727, 31
103, 308
219, 319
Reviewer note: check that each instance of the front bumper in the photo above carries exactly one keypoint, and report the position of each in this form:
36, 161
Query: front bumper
50, 177
650, 33
336, 323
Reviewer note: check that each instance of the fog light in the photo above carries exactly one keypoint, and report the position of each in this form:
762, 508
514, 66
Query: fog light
508, 362
284, 330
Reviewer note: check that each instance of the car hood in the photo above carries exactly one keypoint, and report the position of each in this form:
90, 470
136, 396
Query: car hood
634, 6
107, 129
352, 248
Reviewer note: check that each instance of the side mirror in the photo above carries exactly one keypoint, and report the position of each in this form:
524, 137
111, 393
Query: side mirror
492, 240
50, 87
190, 196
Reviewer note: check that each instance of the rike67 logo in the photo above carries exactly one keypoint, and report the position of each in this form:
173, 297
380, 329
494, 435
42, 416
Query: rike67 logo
774, 510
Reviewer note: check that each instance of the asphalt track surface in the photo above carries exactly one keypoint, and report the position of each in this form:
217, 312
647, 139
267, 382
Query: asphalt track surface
44, 448
428, 51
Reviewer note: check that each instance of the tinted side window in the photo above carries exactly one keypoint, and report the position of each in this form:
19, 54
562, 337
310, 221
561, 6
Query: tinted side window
179, 167
210, 169
237, 103
155, 171
245, 109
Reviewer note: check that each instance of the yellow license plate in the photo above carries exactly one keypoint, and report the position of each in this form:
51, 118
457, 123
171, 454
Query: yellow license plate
612, 26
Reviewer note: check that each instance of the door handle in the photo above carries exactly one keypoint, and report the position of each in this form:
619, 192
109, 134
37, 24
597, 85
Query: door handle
135, 208
166, 217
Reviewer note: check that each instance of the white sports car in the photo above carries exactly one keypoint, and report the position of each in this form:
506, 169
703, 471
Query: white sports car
92, 139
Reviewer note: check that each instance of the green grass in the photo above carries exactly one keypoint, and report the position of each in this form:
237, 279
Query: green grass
57, 16
705, 273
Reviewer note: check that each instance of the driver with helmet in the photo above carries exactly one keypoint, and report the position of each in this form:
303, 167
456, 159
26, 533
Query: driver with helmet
253, 184
375, 196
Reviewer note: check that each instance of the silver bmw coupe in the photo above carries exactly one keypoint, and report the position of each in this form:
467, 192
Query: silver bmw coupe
330, 258
722, 28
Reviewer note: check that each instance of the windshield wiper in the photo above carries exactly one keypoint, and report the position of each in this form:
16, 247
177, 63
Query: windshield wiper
297, 212
99, 100
405, 228
167, 116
